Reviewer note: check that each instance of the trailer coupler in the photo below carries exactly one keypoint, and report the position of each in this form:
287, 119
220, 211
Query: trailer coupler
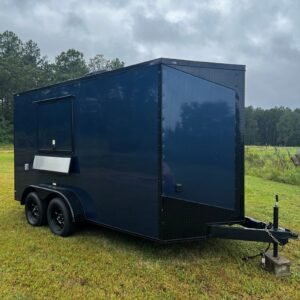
254, 230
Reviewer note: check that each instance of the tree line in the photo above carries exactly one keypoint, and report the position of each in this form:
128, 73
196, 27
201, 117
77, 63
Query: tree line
23, 67
278, 126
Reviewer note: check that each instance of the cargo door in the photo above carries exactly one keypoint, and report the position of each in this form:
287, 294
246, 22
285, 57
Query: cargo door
198, 140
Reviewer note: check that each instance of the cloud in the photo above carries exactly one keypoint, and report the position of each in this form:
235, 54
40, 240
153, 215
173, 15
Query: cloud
264, 35
74, 22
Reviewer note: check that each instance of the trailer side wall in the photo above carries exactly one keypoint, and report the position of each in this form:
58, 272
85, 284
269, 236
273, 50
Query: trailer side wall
113, 142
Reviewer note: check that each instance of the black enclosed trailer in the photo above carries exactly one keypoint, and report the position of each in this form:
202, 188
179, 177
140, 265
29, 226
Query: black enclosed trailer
154, 149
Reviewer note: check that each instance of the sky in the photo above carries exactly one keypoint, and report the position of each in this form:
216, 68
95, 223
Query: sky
264, 35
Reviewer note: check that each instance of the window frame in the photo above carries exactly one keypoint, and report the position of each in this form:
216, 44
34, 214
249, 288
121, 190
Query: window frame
54, 150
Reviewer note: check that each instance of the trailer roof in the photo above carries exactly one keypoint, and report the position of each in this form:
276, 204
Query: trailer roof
167, 61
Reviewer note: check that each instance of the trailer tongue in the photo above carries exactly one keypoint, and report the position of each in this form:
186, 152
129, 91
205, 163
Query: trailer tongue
254, 230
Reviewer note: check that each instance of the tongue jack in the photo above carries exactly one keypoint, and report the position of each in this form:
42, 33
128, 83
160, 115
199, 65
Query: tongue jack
275, 224
274, 262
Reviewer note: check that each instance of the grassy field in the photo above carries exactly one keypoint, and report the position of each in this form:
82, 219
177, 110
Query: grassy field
101, 264
272, 163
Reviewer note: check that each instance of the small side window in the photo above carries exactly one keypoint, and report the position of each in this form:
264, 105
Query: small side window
55, 118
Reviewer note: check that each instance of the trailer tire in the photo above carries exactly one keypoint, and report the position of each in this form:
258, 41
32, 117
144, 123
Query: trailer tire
35, 210
59, 218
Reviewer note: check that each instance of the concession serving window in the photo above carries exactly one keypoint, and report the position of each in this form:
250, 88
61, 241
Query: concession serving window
55, 124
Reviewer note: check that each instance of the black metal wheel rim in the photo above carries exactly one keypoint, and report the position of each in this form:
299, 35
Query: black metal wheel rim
33, 211
58, 218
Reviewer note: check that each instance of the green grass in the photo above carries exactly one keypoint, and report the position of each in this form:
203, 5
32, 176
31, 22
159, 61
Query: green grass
100, 264
272, 163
